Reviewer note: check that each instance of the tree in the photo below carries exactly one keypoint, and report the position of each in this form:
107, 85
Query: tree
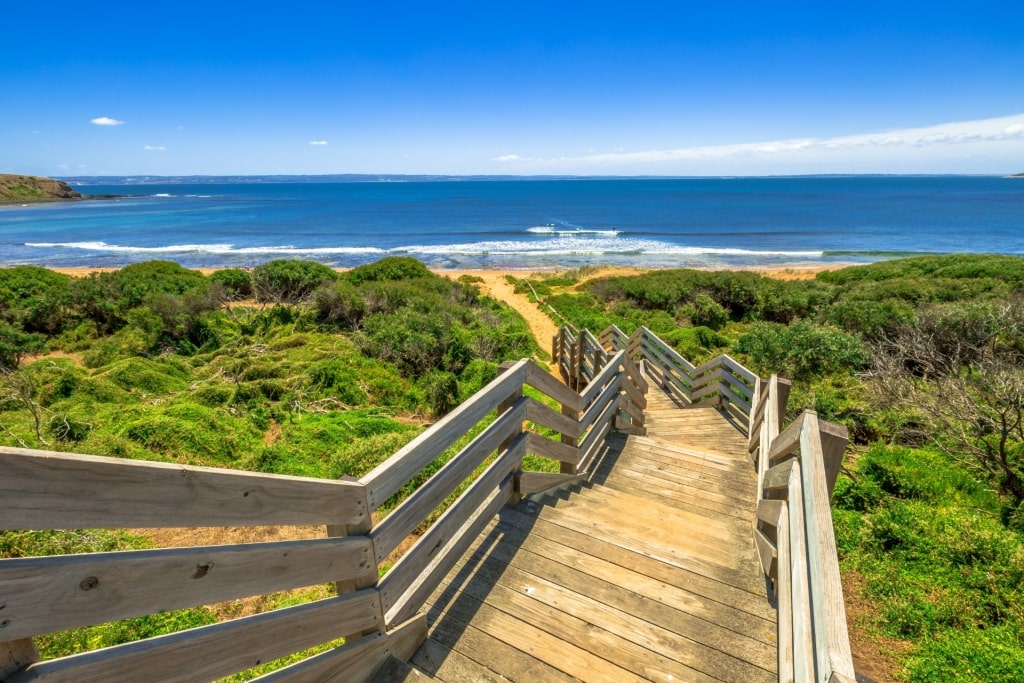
960, 371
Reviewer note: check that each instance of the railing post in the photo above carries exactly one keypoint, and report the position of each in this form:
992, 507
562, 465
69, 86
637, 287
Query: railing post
15, 655
503, 407
367, 579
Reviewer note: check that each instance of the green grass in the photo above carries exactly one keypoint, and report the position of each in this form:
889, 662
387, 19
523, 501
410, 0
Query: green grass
940, 568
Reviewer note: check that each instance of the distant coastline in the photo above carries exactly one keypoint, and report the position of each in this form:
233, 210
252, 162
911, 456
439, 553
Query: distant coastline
18, 189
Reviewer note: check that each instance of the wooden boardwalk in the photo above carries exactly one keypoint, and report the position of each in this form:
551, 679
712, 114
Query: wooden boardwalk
643, 572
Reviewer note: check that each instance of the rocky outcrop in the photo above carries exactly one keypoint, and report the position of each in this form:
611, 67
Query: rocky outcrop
27, 188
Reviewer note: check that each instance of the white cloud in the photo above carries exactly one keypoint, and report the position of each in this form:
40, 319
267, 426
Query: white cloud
318, 143
940, 148
106, 121
155, 148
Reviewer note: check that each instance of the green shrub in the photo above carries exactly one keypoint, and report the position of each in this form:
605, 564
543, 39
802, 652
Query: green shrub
289, 281
802, 350
703, 311
143, 374
442, 392
340, 303
35, 299
236, 283
387, 269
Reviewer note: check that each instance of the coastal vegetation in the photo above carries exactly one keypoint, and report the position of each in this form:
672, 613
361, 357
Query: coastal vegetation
291, 368
923, 360
294, 368
26, 188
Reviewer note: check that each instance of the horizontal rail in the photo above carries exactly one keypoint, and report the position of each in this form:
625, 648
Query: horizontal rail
402, 521
210, 652
50, 490
45, 594
387, 478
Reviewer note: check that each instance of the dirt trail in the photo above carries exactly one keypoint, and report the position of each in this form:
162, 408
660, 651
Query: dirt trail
495, 286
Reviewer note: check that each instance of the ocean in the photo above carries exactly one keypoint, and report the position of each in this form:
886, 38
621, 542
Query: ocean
534, 223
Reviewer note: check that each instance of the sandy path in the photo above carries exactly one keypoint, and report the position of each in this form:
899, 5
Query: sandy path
495, 286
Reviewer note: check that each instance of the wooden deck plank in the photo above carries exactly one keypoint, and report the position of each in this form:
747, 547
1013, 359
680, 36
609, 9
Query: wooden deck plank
714, 493
691, 551
645, 571
752, 602
545, 636
449, 666
671, 499
683, 471
617, 590
585, 625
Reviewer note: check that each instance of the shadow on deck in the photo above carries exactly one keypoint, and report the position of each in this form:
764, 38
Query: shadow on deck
642, 571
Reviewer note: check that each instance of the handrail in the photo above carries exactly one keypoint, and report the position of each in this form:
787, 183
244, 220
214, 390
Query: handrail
51, 490
605, 389
722, 381
795, 540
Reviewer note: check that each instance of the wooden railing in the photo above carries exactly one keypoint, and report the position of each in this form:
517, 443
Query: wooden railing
377, 617
797, 470
721, 382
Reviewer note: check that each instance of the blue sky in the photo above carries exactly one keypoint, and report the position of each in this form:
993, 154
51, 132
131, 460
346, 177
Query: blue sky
170, 88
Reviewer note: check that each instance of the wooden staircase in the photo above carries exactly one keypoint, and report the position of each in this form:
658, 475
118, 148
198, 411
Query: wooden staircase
644, 572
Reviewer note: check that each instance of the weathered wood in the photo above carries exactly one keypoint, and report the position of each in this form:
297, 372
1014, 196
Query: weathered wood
600, 381
45, 594
410, 571
782, 398
392, 474
736, 386
768, 511
832, 639
424, 583
803, 627
394, 528
15, 655
786, 442
737, 414
546, 448
784, 598
357, 661
542, 381
529, 483
685, 365
738, 368
50, 490
544, 534
597, 407
676, 606
778, 476
210, 652
667, 357
567, 425
834, 439
609, 621
756, 415
713, 376
599, 429
699, 395
633, 370
767, 553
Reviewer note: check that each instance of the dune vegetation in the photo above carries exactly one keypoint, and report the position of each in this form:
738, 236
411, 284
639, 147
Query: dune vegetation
297, 369
923, 360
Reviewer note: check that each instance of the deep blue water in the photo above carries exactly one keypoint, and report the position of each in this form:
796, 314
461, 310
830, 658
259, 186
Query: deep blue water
533, 223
